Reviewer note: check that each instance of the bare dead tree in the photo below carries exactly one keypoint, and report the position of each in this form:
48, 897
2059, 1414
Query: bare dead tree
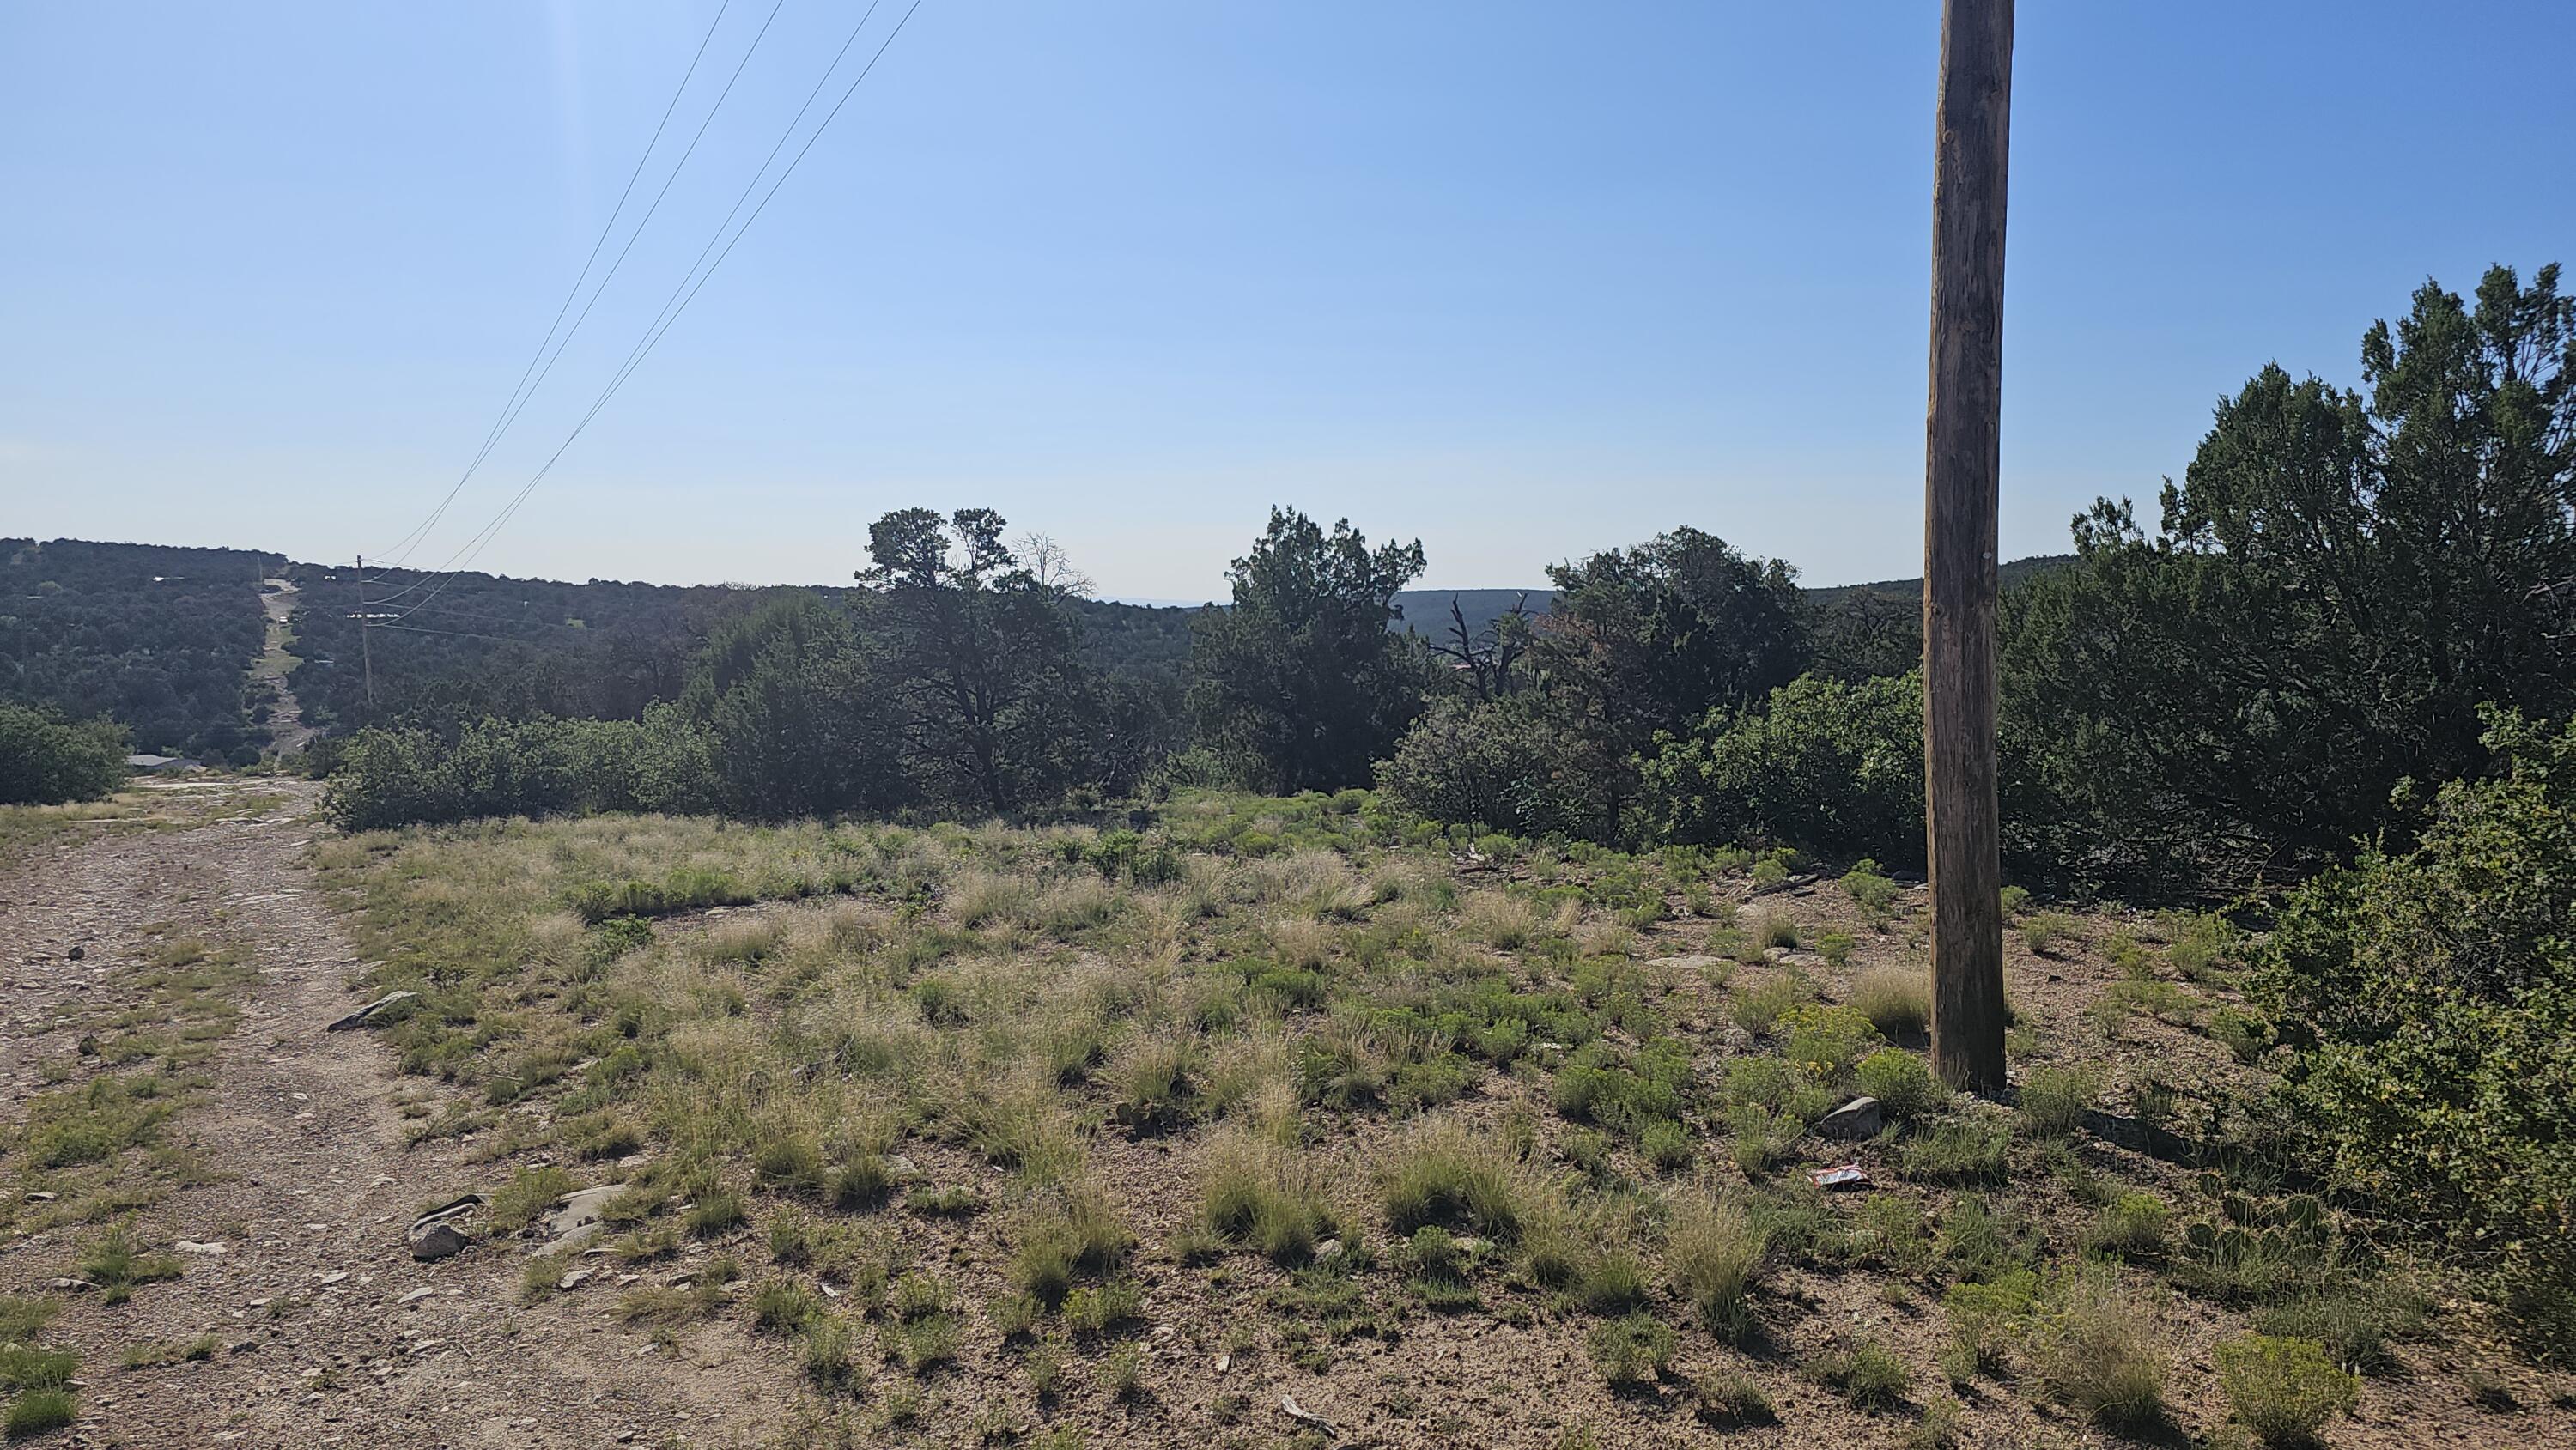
1490, 655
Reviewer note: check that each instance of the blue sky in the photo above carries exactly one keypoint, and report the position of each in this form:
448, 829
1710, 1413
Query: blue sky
1524, 281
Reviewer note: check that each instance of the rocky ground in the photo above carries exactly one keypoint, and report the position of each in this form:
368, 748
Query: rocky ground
294, 1211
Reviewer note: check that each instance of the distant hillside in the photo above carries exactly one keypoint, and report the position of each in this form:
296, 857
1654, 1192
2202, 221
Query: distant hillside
159, 639
1426, 611
2011, 575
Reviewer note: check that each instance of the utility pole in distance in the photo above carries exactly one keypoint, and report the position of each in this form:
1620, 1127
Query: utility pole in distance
366, 635
1962, 442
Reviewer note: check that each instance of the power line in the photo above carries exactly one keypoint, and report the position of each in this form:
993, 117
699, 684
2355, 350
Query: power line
501, 423
452, 633
687, 291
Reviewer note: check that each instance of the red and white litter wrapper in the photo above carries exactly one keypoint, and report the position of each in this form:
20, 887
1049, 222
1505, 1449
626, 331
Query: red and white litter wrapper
1848, 1175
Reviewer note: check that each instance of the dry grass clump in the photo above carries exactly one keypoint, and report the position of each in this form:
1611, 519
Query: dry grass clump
1896, 1000
2102, 1357
1301, 943
1070, 1233
1501, 921
1155, 1083
2054, 1100
1712, 1252
1264, 1197
1439, 1175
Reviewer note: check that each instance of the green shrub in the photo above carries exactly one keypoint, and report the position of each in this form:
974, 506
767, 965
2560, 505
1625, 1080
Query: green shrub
2131, 1228
2284, 1389
2429, 1000
1904, 1086
1987, 1318
1825, 765
1828, 1041
1759, 1010
46, 761
1870, 889
2042, 932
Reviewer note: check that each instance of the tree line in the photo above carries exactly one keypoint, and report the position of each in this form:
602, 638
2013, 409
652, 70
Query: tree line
2338, 585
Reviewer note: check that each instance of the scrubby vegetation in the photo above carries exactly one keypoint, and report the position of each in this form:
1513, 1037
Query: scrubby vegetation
1306, 1083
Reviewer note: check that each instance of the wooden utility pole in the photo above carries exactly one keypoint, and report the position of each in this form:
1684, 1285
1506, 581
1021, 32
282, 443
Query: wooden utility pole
366, 633
1961, 448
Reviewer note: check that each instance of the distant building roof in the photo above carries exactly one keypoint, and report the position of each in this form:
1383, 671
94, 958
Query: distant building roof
160, 762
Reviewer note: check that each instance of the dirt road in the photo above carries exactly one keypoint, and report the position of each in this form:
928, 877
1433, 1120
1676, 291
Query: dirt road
287, 731
327, 1332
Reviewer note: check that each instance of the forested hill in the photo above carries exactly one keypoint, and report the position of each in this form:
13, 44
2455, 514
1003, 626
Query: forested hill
160, 639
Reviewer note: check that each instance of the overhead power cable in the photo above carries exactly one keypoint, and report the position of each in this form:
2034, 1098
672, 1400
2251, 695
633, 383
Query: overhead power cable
694, 281
403, 547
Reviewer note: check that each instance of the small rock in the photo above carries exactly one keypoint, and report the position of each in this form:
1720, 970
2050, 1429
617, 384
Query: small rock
73, 1286
1859, 1118
1328, 1250
1288, 1406
416, 1295
372, 1011
575, 1279
575, 1219
436, 1238
331, 1276
40, 1197
191, 1246
76, 953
